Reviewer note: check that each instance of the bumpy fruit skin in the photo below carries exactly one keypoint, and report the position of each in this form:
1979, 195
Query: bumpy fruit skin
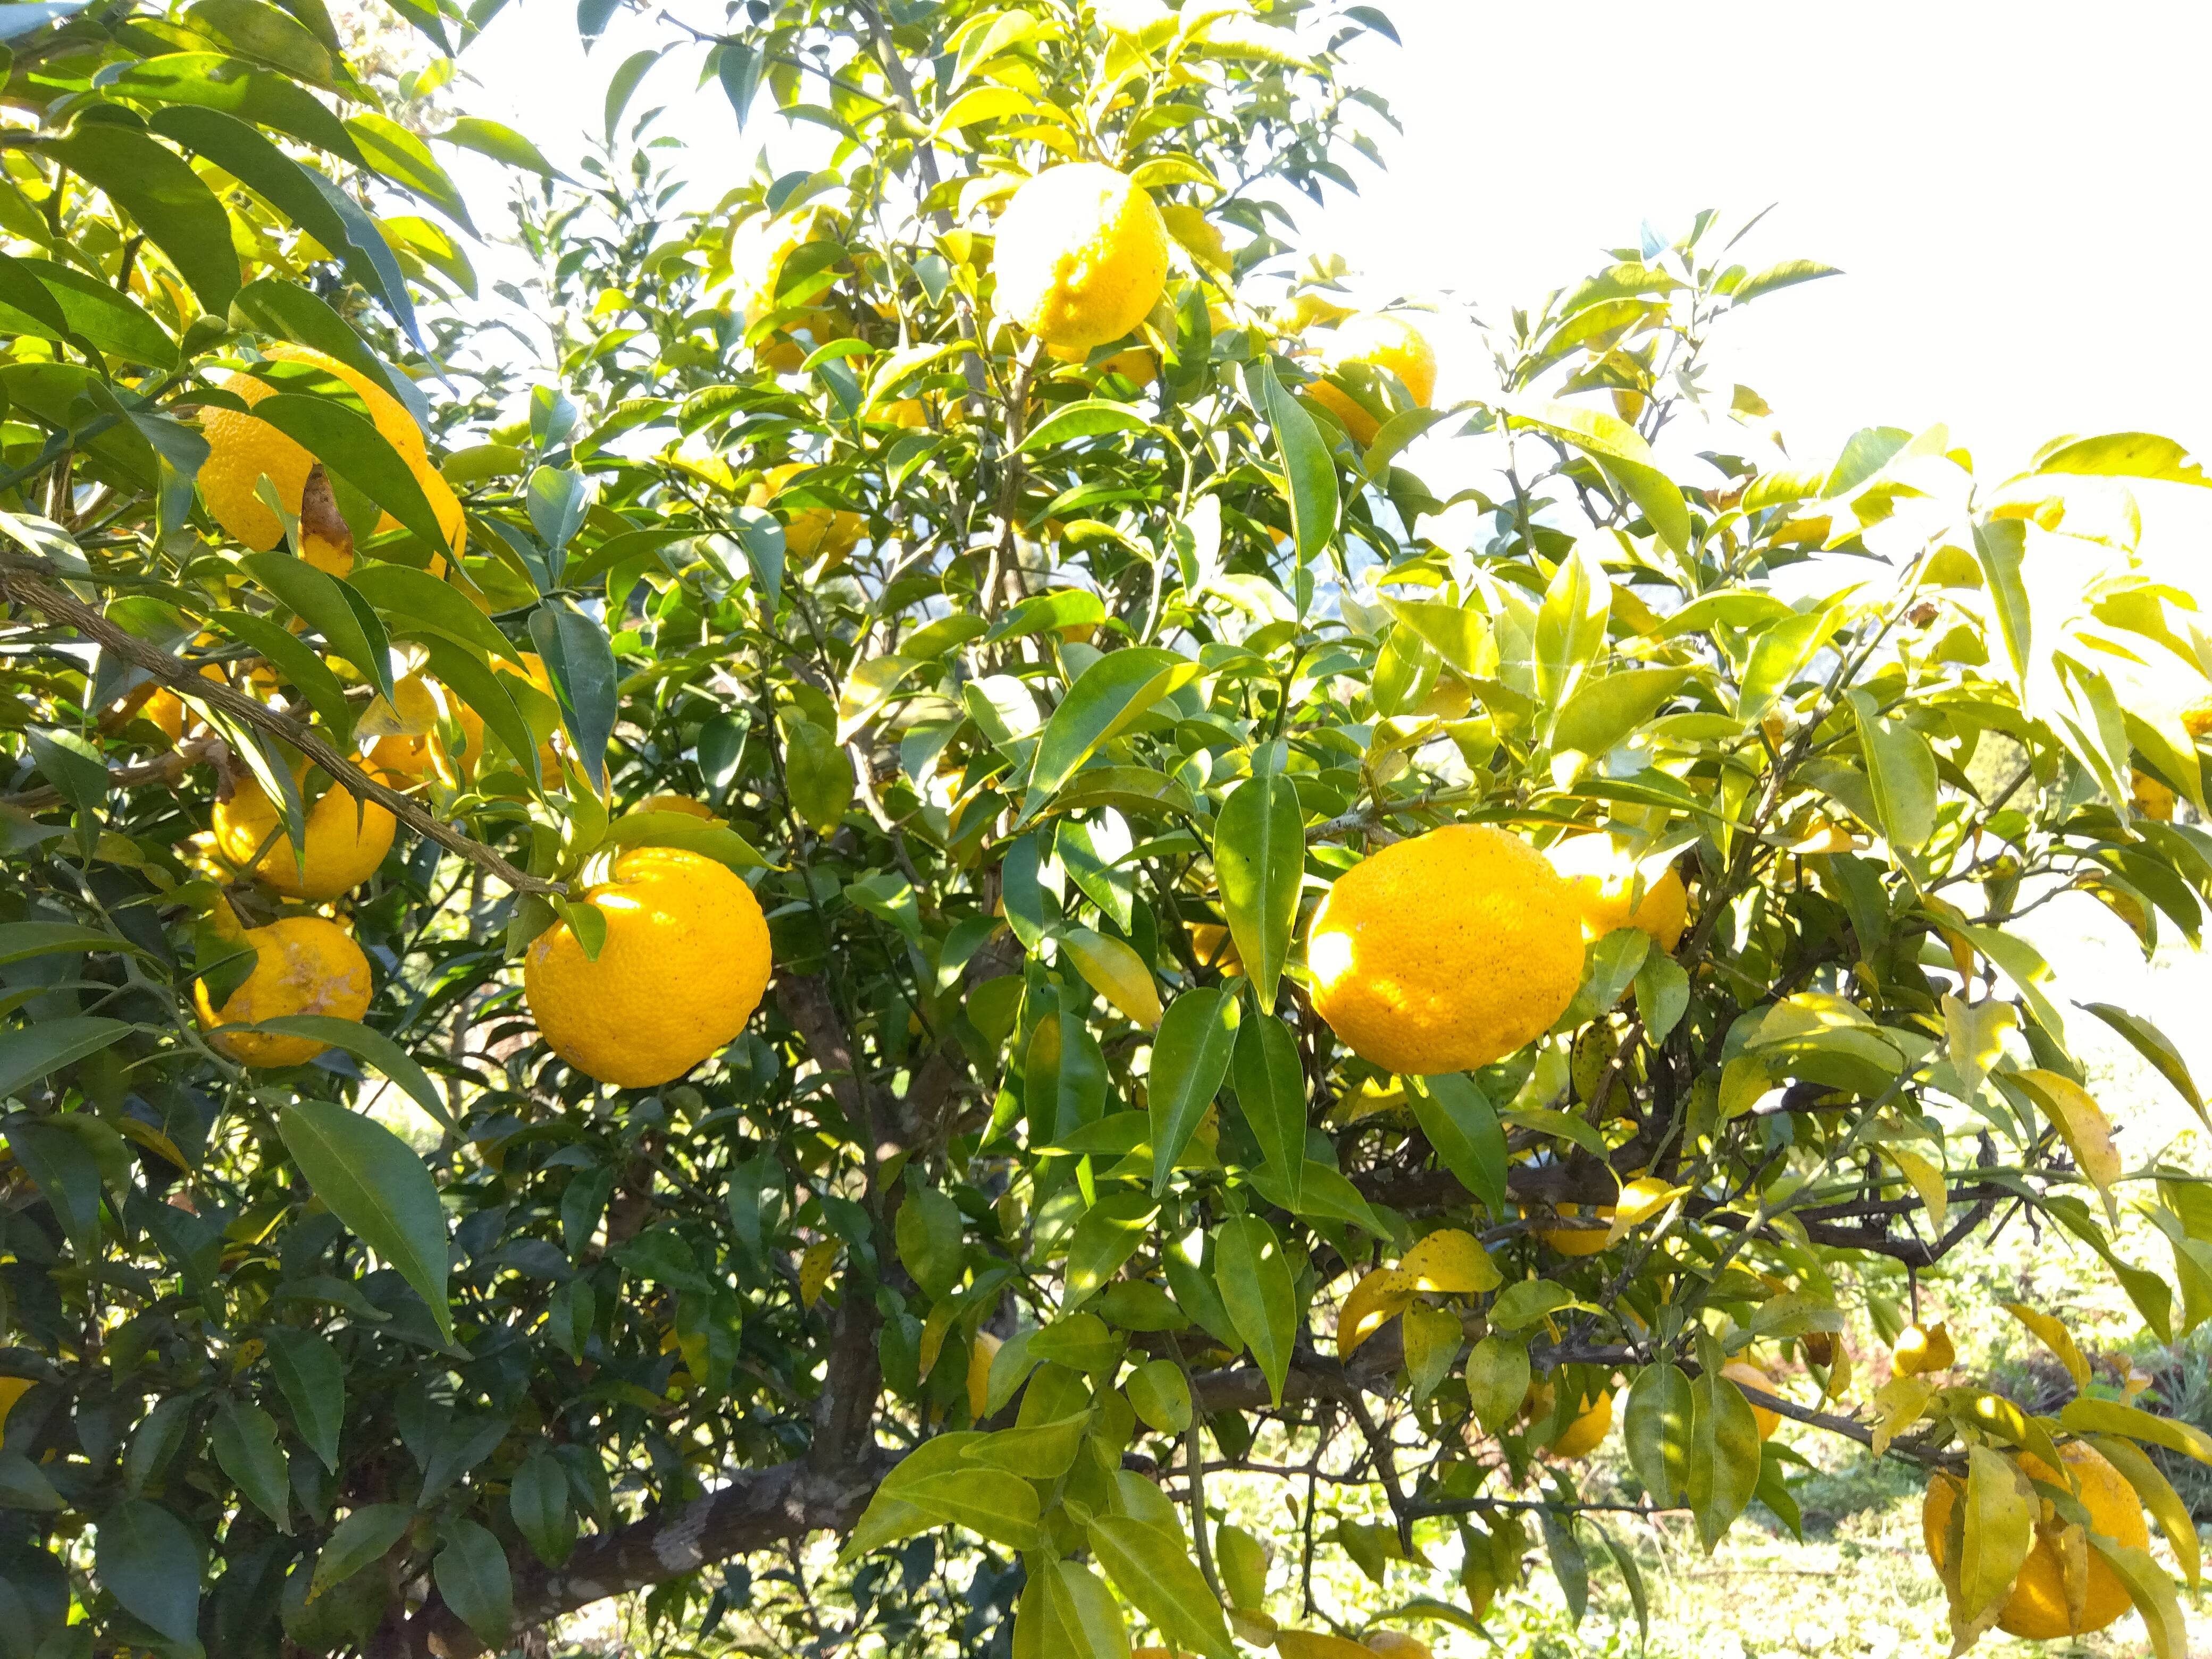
2037, 1608
829, 533
1588, 1431
1445, 952
1603, 877
1381, 339
241, 448
1082, 256
685, 961
303, 965
1747, 1375
346, 840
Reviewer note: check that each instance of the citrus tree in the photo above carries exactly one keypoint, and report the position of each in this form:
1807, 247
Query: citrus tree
912, 895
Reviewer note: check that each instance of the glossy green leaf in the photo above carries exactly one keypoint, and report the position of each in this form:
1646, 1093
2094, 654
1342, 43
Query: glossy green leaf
374, 1182
1257, 1289
1157, 1575
1190, 1058
1270, 1092
1462, 1127
581, 666
471, 1574
149, 1561
150, 182
244, 1440
1106, 699
311, 1376
538, 1501
1260, 859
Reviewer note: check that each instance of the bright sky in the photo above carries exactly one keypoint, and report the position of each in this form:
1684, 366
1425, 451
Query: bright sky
2016, 192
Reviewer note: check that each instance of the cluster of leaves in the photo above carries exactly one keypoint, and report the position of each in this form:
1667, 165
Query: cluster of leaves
1025, 1203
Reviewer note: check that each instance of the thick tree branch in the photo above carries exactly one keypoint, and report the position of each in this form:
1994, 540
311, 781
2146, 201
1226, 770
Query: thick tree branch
24, 588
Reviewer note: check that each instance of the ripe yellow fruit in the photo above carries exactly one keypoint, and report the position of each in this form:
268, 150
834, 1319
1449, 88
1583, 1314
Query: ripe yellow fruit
1082, 256
1136, 365
1397, 1644
1576, 1241
980, 1357
346, 840
2197, 717
683, 968
1383, 340
2150, 796
1744, 1373
410, 752
1211, 943
12, 1389
1588, 1431
2036, 1609
242, 449
1446, 952
809, 531
1919, 1350
1603, 878
302, 965
683, 803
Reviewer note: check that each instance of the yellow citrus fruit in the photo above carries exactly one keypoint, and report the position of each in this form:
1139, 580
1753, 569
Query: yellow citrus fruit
1919, 1350
1588, 1431
1576, 1241
1397, 1644
410, 752
302, 965
1379, 339
1603, 877
1136, 365
1210, 942
2197, 717
2150, 796
671, 803
1446, 952
1082, 256
979, 1375
12, 1389
1743, 1372
683, 967
809, 531
165, 711
2036, 1609
346, 840
242, 449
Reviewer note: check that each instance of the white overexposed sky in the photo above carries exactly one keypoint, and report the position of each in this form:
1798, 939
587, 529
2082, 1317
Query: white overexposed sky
2017, 193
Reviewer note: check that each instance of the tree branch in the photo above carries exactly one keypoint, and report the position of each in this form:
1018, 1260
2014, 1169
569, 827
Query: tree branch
21, 585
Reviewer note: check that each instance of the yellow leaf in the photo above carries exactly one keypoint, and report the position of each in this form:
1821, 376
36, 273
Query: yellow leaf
814, 1270
980, 1356
1640, 1200
2080, 1119
2000, 1530
1452, 1262
1924, 1350
1927, 1181
2056, 1337
1973, 1038
1375, 1301
1898, 1403
1742, 1081
1115, 972
933, 1331
1839, 1376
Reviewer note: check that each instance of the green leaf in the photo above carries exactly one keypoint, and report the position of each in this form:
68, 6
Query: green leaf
1190, 1058
311, 1376
1497, 1380
2152, 1044
351, 447
150, 182
1091, 419
405, 159
29, 1052
1779, 653
990, 1502
1461, 1124
1902, 768
2108, 1416
1160, 1396
1155, 1573
2122, 455
501, 144
211, 80
717, 842
297, 661
1788, 274
1106, 699
1620, 452
244, 1440
1111, 1231
2001, 547
1260, 859
538, 1501
487, 694
1724, 1456
366, 1535
1270, 1092
147, 1560
67, 1175
1525, 1301
1603, 712
471, 1574
90, 309
817, 772
415, 600
1432, 1338
931, 1239
1035, 1451
581, 664
1309, 482
1570, 627
374, 1182
1259, 1293
21, 941
2159, 1496
1655, 1426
